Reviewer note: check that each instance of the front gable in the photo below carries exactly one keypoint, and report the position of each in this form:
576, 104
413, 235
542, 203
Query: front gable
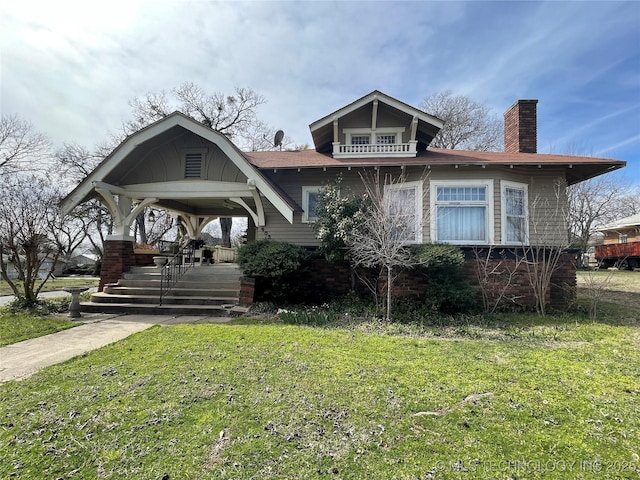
375, 125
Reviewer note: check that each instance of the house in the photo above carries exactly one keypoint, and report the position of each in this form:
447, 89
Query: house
621, 243
507, 199
43, 271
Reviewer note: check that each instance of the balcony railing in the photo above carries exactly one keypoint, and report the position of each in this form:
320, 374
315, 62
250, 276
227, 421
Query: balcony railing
374, 150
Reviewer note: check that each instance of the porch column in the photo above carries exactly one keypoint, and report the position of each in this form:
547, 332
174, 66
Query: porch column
118, 258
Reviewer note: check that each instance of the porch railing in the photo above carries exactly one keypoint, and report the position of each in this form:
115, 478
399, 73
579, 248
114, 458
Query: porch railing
400, 149
175, 268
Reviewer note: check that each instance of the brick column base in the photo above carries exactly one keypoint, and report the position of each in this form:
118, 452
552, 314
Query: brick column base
247, 291
118, 258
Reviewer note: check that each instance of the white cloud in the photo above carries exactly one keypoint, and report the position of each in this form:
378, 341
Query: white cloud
71, 66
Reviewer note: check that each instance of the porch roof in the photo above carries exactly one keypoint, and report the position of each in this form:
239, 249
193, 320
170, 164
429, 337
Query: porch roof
112, 168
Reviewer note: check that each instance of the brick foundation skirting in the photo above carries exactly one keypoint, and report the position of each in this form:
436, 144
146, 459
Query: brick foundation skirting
324, 281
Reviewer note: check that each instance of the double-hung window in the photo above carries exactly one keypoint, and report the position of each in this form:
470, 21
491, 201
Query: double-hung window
515, 222
309, 201
404, 202
462, 212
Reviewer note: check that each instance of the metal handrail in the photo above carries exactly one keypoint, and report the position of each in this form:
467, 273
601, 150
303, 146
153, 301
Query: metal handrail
175, 268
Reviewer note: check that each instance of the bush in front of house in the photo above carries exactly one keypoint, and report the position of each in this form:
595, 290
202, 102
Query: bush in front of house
447, 291
276, 266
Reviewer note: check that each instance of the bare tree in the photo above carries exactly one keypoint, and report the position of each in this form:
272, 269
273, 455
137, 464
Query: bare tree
21, 147
497, 272
28, 233
597, 202
232, 115
596, 285
74, 162
382, 240
543, 254
469, 125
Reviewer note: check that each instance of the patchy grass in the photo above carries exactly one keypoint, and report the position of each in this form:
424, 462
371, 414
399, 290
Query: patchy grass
57, 284
622, 286
16, 327
266, 400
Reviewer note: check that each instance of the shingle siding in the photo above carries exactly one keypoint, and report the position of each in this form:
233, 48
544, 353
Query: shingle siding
546, 221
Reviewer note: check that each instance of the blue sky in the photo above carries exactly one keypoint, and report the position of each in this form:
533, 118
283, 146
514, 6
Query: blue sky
71, 67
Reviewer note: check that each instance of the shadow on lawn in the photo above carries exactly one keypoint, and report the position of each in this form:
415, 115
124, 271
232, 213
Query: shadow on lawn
418, 323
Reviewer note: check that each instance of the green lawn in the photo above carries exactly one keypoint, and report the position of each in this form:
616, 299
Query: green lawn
17, 327
513, 397
56, 284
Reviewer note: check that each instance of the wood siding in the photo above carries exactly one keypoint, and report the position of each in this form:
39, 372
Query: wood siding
632, 233
166, 162
547, 199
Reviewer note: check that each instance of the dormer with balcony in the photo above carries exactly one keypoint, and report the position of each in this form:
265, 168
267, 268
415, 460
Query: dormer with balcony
375, 126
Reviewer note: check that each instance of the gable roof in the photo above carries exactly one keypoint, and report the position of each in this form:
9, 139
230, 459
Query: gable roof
577, 169
84, 190
428, 125
626, 222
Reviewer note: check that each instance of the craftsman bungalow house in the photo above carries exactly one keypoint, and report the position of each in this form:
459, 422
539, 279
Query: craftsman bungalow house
465, 198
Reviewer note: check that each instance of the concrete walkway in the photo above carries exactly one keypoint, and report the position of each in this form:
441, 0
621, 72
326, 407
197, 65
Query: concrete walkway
21, 360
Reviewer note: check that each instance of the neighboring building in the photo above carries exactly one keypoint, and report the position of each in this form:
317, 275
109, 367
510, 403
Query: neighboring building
43, 271
509, 199
621, 244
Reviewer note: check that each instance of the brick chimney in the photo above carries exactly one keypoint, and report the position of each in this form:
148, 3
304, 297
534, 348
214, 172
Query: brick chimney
521, 127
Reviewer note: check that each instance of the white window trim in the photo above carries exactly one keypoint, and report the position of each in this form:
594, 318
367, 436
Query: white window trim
418, 187
305, 202
504, 184
489, 225
397, 131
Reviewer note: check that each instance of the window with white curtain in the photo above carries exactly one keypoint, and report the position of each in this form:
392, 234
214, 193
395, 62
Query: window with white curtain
462, 212
515, 222
405, 208
309, 202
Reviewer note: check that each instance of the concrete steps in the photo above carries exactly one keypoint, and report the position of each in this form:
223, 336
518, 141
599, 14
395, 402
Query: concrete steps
203, 290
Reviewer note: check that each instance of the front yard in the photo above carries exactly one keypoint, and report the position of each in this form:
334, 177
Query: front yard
56, 284
511, 396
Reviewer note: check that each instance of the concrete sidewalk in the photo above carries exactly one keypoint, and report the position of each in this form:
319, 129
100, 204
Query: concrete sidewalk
21, 360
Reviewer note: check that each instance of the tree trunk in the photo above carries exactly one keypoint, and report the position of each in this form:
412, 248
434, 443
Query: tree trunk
389, 274
142, 230
225, 225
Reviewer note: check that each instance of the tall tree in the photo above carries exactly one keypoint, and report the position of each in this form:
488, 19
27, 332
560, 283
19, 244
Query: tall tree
28, 233
597, 202
233, 115
469, 125
21, 147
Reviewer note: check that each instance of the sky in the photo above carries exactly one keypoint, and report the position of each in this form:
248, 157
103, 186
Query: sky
72, 67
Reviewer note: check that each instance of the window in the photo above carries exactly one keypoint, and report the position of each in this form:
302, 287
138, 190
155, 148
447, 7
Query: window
360, 140
405, 207
515, 223
193, 165
385, 139
309, 202
462, 212
623, 238
367, 136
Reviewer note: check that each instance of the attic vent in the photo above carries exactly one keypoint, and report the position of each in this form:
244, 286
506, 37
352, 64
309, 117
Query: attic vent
193, 165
